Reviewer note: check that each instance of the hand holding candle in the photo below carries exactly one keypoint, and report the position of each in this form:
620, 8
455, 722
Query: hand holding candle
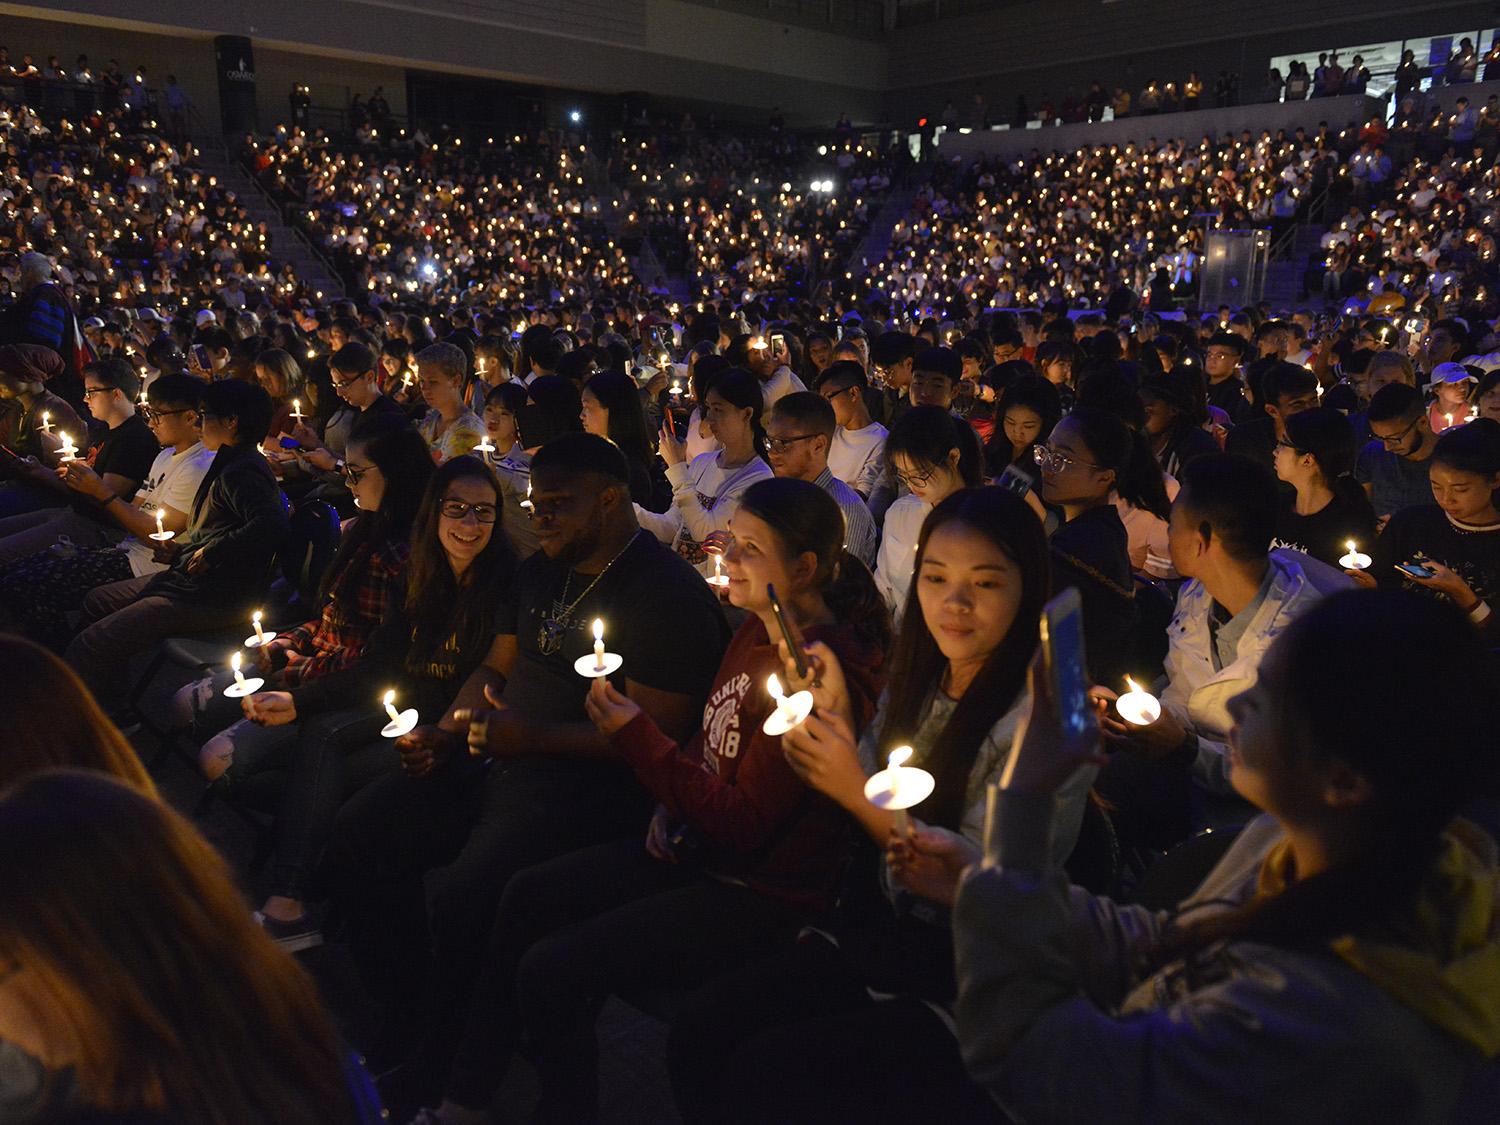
402, 722
898, 787
719, 579
600, 663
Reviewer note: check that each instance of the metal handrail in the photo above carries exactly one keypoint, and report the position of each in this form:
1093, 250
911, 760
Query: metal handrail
1283, 245
332, 271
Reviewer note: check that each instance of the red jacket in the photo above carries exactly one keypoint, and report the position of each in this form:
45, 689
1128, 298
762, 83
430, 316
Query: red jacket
731, 786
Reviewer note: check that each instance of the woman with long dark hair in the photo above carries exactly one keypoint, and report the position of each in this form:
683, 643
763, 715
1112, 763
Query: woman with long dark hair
612, 409
739, 853
1328, 507
136, 987
1352, 929
799, 1036
308, 717
1085, 461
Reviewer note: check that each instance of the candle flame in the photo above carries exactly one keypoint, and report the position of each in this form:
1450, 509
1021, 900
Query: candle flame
390, 697
1351, 545
234, 662
598, 628
773, 685
899, 757
255, 617
1132, 684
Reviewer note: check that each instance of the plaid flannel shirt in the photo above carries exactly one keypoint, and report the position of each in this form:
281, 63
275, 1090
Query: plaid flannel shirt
357, 598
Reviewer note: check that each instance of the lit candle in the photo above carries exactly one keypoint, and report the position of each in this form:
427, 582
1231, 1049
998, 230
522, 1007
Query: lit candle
1355, 559
68, 451
260, 634
1138, 707
485, 445
402, 722
241, 686
1447, 421
297, 409
719, 578
791, 710
161, 534
600, 663
898, 787
526, 503
46, 426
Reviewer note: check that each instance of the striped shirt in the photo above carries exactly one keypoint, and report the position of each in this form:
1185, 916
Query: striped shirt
860, 539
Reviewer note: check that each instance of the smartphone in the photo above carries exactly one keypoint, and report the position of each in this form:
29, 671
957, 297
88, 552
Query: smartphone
778, 343
677, 421
1063, 656
200, 357
1014, 480
792, 638
290, 443
1415, 570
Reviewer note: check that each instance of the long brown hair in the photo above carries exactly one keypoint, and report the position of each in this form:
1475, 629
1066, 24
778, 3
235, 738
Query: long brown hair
437, 604
917, 663
52, 720
126, 925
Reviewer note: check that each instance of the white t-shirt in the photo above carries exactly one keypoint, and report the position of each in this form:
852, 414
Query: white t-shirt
857, 457
172, 483
898, 551
779, 385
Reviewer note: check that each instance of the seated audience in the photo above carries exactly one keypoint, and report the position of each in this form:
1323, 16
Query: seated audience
798, 437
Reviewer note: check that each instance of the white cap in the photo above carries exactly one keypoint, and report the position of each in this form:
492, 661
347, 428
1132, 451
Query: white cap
206, 316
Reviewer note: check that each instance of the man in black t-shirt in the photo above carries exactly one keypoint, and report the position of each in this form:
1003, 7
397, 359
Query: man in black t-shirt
1288, 390
122, 460
536, 779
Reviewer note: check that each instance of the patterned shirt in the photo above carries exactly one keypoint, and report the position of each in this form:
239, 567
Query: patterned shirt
351, 611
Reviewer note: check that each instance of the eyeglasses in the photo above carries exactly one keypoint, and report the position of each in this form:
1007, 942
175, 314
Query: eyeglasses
354, 476
1050, 460
782, 444
1396, 439
151, 414
829, 396
457, 510
1284, 444
340, 385
916, 480
91, 391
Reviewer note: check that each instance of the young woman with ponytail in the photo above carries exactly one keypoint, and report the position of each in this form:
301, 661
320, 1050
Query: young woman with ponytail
1329, 507
1342, 961
800, 1036
740, 853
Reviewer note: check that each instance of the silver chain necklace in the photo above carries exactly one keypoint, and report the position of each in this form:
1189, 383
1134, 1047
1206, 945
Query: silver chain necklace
549, 637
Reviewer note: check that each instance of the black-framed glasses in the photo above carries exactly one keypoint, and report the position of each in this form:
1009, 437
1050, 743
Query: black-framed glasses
829, 396
151, 414
916, 480
1050, 460
345, 384
782, 444
89, 392
458, 509
1397, 438
354, 476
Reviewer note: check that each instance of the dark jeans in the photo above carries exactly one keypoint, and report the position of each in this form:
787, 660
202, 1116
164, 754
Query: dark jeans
419, 865
123, 623
608, 920
796, 1037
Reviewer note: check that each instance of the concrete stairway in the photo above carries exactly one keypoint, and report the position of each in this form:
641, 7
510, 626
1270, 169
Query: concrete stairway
872, 248
287, 244
1284, 276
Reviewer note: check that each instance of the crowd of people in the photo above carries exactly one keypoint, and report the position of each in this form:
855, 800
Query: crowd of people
582, 637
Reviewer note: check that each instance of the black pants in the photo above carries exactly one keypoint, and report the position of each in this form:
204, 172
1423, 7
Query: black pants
419, 864
797, 1038
609, 920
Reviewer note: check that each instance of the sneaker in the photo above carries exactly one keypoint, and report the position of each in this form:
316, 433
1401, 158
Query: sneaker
291, 936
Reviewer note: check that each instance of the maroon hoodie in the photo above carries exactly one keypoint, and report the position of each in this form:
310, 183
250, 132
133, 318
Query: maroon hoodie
731, 786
